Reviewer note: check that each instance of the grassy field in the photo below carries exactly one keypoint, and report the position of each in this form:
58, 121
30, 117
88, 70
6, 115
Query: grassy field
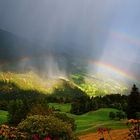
3, 116
86, 123
61, 107
91, 121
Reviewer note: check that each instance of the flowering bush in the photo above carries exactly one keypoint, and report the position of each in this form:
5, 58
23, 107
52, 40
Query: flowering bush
8, 133
134, 129
102, 131
46, 128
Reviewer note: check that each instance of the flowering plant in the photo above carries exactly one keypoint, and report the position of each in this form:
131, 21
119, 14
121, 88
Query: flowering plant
134, 129
102, 131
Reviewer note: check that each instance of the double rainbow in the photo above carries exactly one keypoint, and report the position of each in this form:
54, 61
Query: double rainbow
120, 72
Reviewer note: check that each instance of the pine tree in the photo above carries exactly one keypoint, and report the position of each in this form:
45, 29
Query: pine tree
133, 103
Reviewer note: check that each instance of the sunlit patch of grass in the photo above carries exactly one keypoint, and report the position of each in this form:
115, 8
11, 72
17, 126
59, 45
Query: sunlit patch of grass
29, 81
91, 121
3, 116
61, 107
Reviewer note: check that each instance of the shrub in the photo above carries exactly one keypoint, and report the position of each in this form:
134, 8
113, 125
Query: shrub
138, 115
66, 119
112, 115
8, 133
17, 111
46, 126
102, 131
117, 115
134, 129
120, 115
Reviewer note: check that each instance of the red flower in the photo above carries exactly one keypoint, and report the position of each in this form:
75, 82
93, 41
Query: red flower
35, 137
47, 138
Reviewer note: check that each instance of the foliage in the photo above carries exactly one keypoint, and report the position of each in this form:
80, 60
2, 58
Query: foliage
117, 115
17, 110
67, 89
60, 107
133, 103
10, 91
134, 129
3, 116
43, 126
81, 105
138, 115
67, 119
85, 104
101, 86
112, 115
39, 107
120, 115
78, 78
101, 132
8, 133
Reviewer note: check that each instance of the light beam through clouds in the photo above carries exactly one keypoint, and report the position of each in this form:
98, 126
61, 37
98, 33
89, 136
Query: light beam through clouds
76, 31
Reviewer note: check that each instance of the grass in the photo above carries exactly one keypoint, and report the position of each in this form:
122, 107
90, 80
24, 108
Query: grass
3, 116
61, 107
91, 121
86, 123
29, 80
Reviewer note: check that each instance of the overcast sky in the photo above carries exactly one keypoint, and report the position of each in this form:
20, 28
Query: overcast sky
109, 29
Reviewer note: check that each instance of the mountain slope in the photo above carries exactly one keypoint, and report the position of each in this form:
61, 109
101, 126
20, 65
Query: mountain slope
20, 54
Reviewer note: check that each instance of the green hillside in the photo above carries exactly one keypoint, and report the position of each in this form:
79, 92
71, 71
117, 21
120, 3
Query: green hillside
86, 123
91, 121
61, 86
99, 86
30, 85
27, 81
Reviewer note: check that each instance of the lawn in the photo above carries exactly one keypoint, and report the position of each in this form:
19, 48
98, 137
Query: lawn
61, 107
3, 116
86, 123
91, 121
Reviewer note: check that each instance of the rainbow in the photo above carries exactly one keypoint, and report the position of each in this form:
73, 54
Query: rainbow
132, 40
116, 70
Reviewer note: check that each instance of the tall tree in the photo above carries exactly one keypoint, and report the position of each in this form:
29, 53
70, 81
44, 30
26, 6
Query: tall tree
133, 103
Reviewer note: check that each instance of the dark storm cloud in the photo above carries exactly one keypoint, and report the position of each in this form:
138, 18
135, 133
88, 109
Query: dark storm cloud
66, 32
72, 28
78, 22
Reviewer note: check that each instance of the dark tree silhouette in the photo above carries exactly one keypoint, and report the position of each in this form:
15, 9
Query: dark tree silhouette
133, 103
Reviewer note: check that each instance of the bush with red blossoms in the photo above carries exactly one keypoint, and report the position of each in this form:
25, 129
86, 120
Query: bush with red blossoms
46, 128
134, 129
102, 131
11, 133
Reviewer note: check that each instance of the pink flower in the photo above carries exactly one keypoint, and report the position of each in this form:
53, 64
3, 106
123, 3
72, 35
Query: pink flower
35, 137
47, 138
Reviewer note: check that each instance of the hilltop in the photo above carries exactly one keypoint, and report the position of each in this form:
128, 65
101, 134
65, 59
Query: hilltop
62, 85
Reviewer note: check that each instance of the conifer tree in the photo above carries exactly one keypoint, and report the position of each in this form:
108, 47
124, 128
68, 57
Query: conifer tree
133, 103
